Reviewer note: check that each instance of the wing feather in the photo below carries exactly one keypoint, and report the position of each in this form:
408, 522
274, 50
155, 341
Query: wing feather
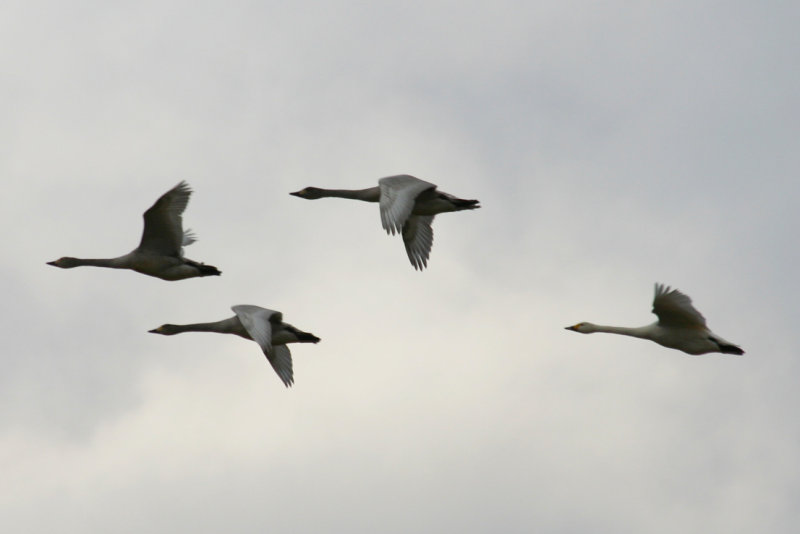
281, 360
163, 223
398, 194
189, 237
675, 309
418, 238
259, 324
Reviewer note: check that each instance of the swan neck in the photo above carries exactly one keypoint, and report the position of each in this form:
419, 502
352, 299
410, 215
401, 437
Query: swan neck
220, 327
195, 327
370, 194
113, 263
640, 332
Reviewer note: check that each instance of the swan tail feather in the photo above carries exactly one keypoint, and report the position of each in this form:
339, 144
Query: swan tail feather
462, 204
205, 270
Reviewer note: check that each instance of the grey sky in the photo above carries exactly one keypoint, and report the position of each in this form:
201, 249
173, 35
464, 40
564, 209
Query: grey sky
611, 147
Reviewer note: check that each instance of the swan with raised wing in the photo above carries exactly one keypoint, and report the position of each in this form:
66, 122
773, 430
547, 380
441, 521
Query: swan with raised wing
160, 252
679, 326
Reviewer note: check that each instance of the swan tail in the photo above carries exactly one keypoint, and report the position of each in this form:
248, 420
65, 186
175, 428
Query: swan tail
203, 269
731, 349
726, 347
307, 337
461, 204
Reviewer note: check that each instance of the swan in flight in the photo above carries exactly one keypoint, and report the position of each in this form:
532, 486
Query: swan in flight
160, 253
408, 206
265, 327
679, 326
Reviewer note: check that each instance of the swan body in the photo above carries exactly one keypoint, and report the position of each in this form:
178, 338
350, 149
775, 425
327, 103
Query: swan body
265, 327
160, 252
407, 206
679, 326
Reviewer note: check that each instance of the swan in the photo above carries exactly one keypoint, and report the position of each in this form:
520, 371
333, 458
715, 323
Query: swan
160, 252
679, 326
265, 327
407, 205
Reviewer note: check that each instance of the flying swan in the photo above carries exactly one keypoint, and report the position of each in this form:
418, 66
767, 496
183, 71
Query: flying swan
679, 326
160, 253
265, 327
408, 206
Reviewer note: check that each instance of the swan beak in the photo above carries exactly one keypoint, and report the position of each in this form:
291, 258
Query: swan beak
155, 330
573, 328
297, 193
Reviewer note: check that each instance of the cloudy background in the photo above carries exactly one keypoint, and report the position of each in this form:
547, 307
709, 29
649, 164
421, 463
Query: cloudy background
612, 146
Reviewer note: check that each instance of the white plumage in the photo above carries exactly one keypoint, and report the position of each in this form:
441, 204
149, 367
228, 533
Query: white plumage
679, 326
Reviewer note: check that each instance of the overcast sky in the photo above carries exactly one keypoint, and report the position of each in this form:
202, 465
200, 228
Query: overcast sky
611, 145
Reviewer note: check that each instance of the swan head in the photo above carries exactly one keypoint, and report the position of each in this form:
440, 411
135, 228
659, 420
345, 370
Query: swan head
311, 193
65, 263
583, 328
165, 330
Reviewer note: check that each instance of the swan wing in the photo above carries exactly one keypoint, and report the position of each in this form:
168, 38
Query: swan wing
675, 309
163, 225
258, 323
281, 360
398, 194
189, 237
418, 238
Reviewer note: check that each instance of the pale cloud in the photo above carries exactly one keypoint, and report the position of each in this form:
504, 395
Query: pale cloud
611, 147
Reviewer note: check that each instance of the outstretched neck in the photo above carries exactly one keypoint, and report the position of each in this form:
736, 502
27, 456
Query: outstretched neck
643, 332
370, 194
226, 326
198, 327
113, 263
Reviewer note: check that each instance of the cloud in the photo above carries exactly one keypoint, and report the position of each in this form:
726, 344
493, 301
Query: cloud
610, 148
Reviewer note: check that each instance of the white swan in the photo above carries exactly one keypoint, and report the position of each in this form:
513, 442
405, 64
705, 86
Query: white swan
408, 206
679, 326
265, 327
160, 252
